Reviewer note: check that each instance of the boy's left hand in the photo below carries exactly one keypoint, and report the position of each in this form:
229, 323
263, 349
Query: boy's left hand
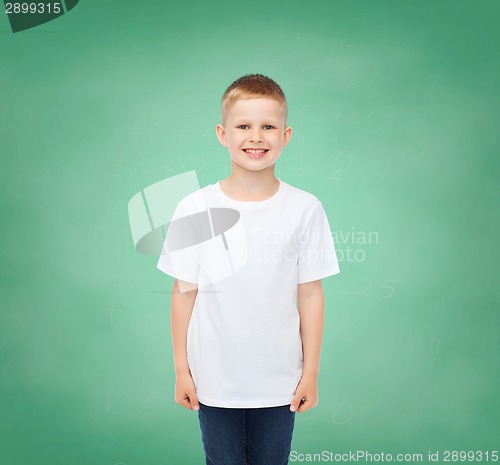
306, 394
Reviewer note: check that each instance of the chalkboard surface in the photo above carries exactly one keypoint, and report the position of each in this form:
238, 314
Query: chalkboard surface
395, 114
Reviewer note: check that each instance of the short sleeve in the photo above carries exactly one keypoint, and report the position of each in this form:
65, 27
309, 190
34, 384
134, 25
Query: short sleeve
317, 258
180, 252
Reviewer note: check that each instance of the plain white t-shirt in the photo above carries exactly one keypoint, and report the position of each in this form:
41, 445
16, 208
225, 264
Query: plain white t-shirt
243, 342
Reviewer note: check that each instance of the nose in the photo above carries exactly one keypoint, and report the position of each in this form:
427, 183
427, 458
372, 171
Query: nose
256, 136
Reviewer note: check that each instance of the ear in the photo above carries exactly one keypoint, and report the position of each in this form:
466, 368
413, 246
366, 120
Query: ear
287, 134
221, 134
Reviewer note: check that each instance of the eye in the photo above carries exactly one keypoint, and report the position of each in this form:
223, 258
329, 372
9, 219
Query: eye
241, 125
269, 126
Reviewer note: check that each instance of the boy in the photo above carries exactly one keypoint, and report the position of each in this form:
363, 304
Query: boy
246, 355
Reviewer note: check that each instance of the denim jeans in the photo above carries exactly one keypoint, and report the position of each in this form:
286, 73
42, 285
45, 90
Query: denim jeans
246, 436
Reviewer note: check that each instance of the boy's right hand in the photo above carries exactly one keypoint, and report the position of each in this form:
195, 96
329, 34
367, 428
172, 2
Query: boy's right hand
185, 391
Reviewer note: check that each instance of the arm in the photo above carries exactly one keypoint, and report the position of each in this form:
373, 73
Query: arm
311, 311
181, 310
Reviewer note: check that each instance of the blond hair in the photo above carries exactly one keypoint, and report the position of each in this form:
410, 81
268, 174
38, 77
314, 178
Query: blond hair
252, 86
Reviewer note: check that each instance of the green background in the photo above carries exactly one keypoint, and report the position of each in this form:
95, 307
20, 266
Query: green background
395, 112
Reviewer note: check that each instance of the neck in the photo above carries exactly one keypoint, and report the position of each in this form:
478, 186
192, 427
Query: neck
252, 182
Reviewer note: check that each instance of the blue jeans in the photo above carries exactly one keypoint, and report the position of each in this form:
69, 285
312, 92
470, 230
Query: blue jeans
246, 436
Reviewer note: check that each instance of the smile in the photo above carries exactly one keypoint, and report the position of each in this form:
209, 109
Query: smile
256, 152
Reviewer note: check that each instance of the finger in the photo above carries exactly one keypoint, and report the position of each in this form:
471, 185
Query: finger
296, 402
193, 400
185, 401
307, 404
304, 406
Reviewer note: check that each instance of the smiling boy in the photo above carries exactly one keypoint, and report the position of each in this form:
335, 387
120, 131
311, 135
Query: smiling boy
247, 346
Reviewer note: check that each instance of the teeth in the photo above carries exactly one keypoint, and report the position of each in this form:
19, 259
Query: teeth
255, 151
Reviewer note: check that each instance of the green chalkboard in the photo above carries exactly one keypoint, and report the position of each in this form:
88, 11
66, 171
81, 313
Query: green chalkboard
395, 114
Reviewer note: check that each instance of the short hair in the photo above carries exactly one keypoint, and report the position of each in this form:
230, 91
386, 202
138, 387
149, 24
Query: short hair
253, 86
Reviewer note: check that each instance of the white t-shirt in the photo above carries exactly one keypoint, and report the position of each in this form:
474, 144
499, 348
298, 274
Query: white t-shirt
243, 342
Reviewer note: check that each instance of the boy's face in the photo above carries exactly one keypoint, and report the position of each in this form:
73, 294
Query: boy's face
254, 123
